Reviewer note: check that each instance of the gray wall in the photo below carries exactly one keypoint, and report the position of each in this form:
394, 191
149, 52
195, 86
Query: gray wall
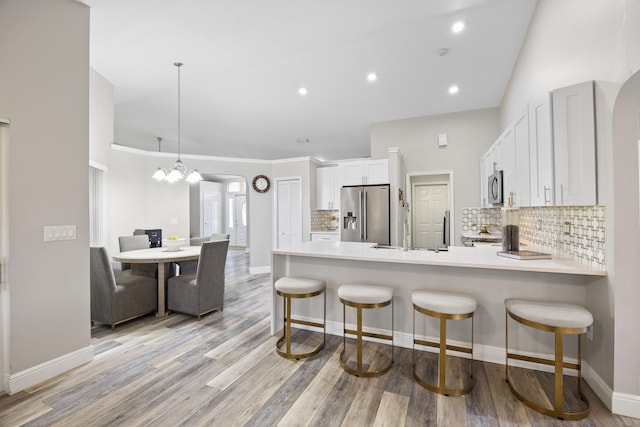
152, 204
44, 82
569, 42
470, 134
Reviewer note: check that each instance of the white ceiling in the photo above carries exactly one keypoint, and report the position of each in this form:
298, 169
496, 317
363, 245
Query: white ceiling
244, 61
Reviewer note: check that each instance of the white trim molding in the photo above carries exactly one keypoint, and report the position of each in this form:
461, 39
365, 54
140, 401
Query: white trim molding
626, 404
47, 370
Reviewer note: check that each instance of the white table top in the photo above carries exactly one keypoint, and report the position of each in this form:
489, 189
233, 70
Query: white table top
155, 255
458, 256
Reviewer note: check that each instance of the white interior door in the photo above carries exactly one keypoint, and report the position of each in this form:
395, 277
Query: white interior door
211, 213
430, 201
289, 212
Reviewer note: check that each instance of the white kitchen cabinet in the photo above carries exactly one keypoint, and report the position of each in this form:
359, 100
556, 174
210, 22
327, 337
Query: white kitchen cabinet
492, 160
574, 145
541, 152
522, 193
485, 167
365, 172
510, 154
331, 237
509, 167
328, 186
516, 161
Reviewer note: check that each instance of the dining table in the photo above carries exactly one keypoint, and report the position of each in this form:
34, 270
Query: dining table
163, 258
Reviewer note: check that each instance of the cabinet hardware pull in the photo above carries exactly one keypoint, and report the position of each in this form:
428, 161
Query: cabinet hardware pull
547, 201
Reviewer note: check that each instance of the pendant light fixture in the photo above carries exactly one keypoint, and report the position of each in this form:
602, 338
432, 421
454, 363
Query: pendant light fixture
178, 170
161, 173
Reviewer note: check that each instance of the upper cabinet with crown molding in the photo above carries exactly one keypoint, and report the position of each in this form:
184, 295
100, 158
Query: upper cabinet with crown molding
365, 172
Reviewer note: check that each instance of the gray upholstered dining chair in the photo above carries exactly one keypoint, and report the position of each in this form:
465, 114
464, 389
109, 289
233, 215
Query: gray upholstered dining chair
198, 241
201, 292
192, 266
116, 300
133, 243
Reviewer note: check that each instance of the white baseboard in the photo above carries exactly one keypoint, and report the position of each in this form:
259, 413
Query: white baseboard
626, 404
45, 371
598, 385
260, 270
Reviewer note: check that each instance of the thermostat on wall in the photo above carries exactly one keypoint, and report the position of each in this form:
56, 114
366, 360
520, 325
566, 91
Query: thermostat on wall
442, 140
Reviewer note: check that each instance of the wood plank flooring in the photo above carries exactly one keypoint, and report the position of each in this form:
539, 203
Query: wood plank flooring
224, 371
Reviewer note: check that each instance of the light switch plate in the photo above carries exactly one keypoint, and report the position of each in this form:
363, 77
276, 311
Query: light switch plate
53, 233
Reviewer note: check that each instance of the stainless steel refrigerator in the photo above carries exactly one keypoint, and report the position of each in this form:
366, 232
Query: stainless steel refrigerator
365, 214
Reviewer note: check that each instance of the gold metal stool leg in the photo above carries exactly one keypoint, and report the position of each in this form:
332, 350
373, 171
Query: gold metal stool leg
360, 333
559, 365
441, 386
285, 340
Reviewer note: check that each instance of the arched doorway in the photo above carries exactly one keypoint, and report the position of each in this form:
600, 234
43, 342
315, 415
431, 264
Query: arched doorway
626, 237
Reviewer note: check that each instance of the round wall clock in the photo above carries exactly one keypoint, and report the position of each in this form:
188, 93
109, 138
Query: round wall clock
261, 184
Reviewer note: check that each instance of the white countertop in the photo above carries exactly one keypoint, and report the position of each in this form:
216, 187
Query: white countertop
325, 231
458, 256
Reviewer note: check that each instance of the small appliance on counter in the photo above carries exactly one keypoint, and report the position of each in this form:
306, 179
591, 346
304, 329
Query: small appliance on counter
510, 228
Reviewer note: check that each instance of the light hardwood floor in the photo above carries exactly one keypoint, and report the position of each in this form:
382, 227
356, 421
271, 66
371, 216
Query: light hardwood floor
224, 371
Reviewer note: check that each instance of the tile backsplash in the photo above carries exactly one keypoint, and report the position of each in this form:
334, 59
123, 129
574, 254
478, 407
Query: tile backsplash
574, 231
321, 219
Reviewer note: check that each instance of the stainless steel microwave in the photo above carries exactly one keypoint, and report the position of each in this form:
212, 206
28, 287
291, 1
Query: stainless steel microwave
495, 193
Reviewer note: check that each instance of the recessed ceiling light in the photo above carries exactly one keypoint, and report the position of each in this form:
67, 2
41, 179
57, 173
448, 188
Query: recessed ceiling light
457, 27
372, 77
443, 51
453, 89
303, 91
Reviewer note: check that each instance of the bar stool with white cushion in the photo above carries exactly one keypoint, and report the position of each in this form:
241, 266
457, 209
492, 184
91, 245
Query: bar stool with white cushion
443, 306
291, 288
561, 319
362, 297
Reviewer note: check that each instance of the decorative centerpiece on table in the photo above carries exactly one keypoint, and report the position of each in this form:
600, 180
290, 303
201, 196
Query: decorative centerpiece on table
173, 243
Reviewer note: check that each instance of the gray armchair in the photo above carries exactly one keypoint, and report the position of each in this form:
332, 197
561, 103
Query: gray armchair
201, 292
116, 300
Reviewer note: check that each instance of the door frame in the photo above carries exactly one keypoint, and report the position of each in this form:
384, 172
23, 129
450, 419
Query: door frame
414, 176
4, 254
235, 212
205, 192
274, 236
413, 211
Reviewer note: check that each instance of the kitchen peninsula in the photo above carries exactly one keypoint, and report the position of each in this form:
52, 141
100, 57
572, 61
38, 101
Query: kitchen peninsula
475, 271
